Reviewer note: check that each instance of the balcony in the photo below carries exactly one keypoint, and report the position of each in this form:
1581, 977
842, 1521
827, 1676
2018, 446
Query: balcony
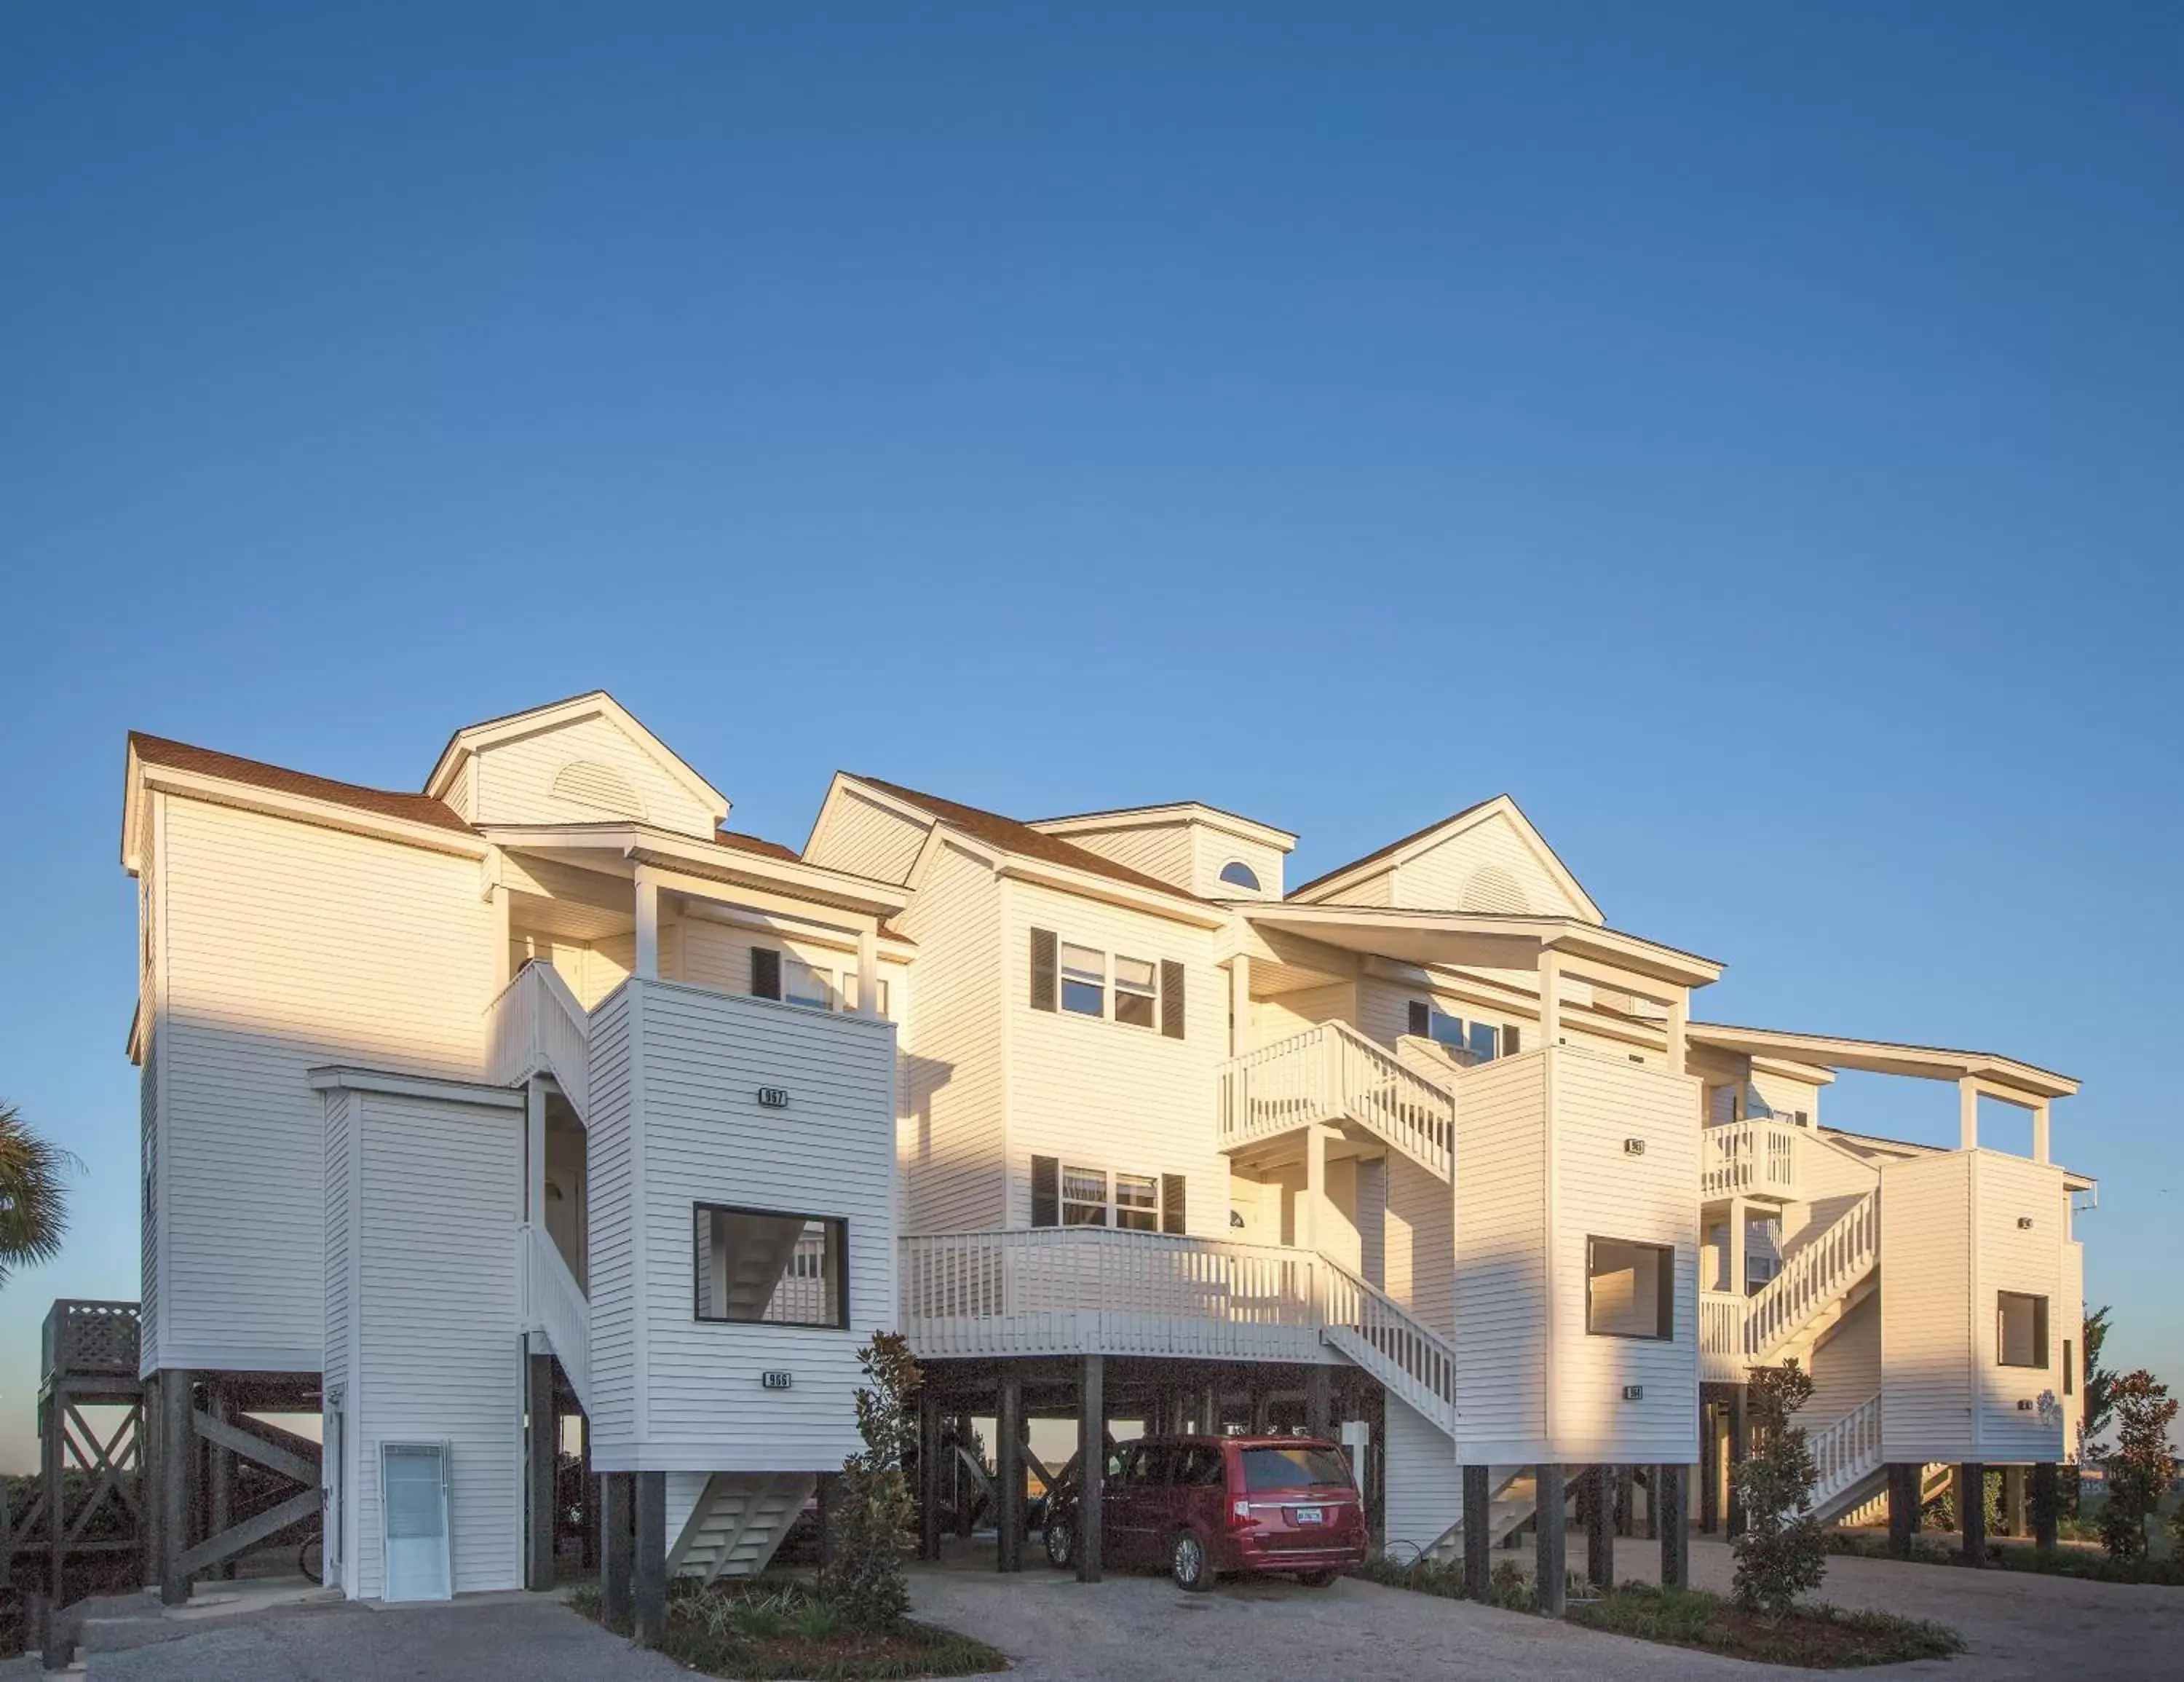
1751, 1159
1333, 1074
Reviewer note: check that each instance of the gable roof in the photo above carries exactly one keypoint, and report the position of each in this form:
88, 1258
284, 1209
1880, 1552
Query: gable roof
1011, 836
1419, 840
233, 768
472, 736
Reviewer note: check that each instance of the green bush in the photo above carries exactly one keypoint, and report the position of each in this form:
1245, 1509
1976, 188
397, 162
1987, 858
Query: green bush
1782, 1552
2142, 1468
874, 1511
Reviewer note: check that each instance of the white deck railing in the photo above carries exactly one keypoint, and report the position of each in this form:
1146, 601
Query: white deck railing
1750, 1159
1821, 1272
1387, 1341
1722, 1360
535, 1026
554, 1304
1331, 1073
1079, 1290
1845, 1453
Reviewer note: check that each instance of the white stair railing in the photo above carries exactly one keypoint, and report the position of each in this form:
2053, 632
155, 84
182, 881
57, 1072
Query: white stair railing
554, 1304
1721, 1337
1750, 1158
535, 1026
1819, 1274
1332, 1072
1845, 1453
1405, 1354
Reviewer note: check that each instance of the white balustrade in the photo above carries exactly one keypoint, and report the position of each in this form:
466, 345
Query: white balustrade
1391, 1343
1846, 1452
1750, 1159
554, 1304
1820, 1273
1069, 1291
1722, 1359
1332, 1072
535, 1026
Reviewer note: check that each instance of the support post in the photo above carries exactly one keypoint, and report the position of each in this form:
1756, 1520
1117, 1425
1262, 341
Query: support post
1739, 1443
1550, 1564
2040, 1131
966, 1495
1968, 1114
1626, 1502
1210, 1418
618, 1547
1091, 1463
1971, 1510
534, 1157
1319, 1401
928, 1478
1478, 1518
1550, 998
1679, 1024
830, 1498
155, 1529
177, 1493
1310, 1221
1262, 1409
1600, 1526
1239, 1004
540, 1462
868, 971
52, 1421
648, 925
2012, 1501
2046, 1504
1009, 1471
221, 1469
1903, 1504
1672, 1522
650, 1590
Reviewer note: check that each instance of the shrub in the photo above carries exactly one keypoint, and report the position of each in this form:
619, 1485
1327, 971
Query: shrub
874, 1511
1782, 1552
2141, 1468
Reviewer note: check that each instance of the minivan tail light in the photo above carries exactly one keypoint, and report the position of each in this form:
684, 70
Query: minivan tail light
1239, 1511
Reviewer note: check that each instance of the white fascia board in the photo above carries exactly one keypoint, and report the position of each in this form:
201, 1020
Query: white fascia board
303, 809
1085, 885
1879, 1056
344, 1077
635, 843
1155, 817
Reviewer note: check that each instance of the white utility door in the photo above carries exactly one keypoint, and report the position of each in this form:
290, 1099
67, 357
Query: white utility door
414, 1496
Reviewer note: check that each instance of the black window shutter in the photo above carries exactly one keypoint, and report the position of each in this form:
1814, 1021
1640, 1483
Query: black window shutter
1420, 1018
1046, 972
1171, 999
1046, 1191
1511, 1042
765, 972
1172, 1218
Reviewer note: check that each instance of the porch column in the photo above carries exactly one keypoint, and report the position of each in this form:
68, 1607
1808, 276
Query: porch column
1600, 1526
1091, 1463
1478, 1518
1740, 1216
540, 1462
957, 1481
1550, 1564
1971, 1510
2040, 1131
1671, 1504
1968, 1114
1550, 998
1679, 1019
1319, 1401
617, 1547
1009, 1471
651, 1571
504, 961
1239, 1004
1904, 1477
868, 971
534, 1155
1308, 1208
177, 1481
648, 924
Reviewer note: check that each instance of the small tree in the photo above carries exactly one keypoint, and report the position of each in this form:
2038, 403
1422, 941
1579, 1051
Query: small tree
2141, 1466
1781, 1553
873, 1514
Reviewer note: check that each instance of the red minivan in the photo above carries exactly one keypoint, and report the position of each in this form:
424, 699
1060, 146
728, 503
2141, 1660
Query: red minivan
1199, 1507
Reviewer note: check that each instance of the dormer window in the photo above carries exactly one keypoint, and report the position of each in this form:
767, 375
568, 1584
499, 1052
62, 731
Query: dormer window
1238, 874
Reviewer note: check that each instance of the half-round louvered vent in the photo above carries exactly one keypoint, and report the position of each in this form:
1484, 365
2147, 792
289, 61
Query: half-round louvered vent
1491, 889
601, 788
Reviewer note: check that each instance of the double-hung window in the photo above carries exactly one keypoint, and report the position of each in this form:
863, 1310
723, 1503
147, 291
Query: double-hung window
1084, 980
1137, 991
803, 984
1084, 1197
1137, 1202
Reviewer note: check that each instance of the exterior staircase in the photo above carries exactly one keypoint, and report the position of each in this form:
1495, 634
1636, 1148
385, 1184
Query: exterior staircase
739, 1520
1332, 1074
1829, 1276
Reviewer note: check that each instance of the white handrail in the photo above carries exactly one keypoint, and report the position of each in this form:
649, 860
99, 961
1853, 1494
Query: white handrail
1749, 1157
1846, 1452
535, 1026
1721, 1337
1817, 1275
1391, 1343
553, 1303
1332, 1072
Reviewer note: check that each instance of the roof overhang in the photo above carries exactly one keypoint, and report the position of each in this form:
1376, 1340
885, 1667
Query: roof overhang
622, 847
2007, 1077
1477, 939
1181, 811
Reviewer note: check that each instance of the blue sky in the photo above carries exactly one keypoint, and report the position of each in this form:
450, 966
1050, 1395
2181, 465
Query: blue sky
1750, 436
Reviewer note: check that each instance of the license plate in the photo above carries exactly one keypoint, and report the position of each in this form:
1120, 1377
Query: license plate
1311, 1515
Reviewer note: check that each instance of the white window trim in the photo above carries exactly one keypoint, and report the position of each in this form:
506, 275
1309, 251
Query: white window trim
1109, 985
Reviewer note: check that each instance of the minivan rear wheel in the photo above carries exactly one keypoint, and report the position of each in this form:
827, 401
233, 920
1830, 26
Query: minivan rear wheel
1061, 1538
1188, 1564
1315, 1580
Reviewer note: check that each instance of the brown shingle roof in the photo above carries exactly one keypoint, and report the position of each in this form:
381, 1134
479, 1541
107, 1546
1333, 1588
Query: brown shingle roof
206, 762
756, 844
1012, 837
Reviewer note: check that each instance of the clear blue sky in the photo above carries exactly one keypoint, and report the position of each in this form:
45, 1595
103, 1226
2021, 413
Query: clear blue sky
1751, 436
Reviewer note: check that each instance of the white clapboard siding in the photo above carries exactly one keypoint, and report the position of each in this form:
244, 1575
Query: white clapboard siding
287, 946
1490, 867
338, 1380
1213, 848
1418, 1242
1926, 1338
1163, 851
428, 1299
515, 780
692, 1131
857, 834
1500, 1329
2019, 1243
149, 1203
1845, 1368
1098, 1094
952, 1131
1423, 1480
